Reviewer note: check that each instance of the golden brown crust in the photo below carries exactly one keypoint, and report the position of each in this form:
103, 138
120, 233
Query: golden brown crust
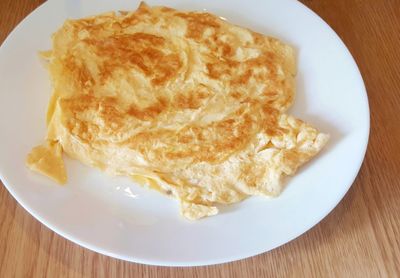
185, 99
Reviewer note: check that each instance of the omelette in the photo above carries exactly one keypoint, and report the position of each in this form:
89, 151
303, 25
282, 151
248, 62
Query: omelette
184, 103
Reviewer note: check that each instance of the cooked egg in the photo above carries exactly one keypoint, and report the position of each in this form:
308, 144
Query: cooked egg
184, 102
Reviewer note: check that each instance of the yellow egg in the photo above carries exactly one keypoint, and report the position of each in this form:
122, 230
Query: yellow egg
184, 102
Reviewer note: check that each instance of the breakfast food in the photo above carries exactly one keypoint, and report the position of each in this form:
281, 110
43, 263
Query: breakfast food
183, 102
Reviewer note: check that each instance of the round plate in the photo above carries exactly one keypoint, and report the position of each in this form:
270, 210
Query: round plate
116, 217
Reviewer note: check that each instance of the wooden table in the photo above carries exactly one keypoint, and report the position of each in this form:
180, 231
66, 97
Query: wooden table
360, 238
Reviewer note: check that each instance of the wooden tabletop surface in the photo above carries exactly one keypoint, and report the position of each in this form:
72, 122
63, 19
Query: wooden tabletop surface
360, 238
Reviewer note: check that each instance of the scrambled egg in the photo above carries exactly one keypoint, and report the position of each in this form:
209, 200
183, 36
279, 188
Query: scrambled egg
183, 102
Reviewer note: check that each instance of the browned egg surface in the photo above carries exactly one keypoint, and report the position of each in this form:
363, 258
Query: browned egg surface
183, 102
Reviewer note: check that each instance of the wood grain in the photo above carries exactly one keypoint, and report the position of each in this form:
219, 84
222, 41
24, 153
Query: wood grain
360, 238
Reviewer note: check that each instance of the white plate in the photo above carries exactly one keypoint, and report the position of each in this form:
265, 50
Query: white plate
116, 217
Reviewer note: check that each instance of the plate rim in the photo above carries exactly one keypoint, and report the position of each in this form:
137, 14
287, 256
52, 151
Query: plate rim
135, 259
